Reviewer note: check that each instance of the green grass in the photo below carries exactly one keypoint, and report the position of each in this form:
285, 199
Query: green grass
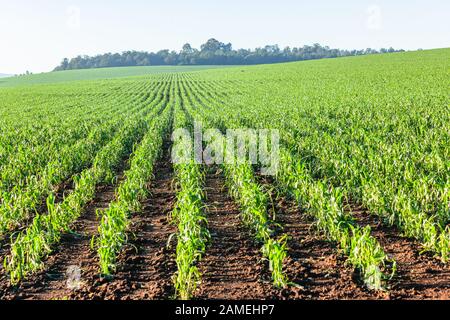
95, 74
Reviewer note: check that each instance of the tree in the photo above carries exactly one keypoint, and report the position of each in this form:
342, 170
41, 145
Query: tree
187, 49
212, 45
212, 52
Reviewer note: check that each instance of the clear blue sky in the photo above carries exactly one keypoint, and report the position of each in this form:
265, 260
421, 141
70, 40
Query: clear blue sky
36, 34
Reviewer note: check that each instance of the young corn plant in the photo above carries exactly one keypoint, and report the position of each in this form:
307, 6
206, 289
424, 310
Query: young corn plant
31, 247
192, 235
324, 204
253, 202
20, 203
189, 216
112, 232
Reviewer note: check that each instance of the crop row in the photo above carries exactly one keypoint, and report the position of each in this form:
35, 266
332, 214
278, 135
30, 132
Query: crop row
326, 206
31, 246
244, 189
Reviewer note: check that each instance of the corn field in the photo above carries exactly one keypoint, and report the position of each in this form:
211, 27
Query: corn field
359, 207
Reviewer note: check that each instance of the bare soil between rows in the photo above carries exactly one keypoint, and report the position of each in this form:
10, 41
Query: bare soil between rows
321, 272
145, 266
232, 267
418, 276
147, 262
72, 257
314, 266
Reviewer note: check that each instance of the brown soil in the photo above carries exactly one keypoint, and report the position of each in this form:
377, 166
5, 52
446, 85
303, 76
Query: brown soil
314, 265
5, 243
322, 274
72, 255
419, 276
232, 267
146, 265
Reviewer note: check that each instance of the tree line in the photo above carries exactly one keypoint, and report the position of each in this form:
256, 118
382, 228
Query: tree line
213, 52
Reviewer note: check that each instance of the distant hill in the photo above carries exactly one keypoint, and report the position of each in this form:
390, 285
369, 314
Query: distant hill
4, 75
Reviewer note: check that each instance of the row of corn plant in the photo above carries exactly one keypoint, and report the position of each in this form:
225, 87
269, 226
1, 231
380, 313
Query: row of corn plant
325, 204
37, 144
31, 247
19, 204
386, 149
189, 213
253, 202
112, 232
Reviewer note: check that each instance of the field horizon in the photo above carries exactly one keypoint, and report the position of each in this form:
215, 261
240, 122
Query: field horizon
124, 72
95, 74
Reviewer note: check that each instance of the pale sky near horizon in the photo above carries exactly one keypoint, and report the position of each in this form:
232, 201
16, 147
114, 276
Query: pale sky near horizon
36, 35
